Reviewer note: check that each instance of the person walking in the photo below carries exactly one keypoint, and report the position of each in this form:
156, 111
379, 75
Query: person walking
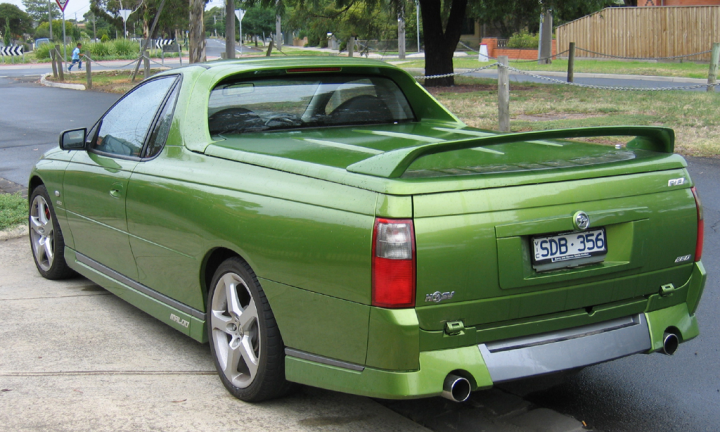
76, 58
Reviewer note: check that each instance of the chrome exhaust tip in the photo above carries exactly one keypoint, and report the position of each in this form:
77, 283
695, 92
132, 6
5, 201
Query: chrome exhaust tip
456, 388
670, 343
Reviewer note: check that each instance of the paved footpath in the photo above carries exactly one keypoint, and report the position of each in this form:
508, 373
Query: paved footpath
76, 358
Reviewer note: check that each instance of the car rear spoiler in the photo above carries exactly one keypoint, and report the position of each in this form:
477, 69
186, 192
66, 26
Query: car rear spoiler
394, 163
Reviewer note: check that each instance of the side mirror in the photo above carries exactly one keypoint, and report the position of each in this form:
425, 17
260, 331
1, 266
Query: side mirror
73, 139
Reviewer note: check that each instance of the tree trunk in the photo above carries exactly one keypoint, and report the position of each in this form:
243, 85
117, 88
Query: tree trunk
197, 31
440, 44
229, 29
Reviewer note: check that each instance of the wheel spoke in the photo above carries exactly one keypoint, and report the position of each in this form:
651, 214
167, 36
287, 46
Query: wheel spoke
218, 321
248, 316
248, 354
36, 224
233, 359
42, 208
48, 249
40, 250
48, 227
233, 303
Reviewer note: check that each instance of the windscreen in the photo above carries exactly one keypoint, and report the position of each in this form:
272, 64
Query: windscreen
296, 102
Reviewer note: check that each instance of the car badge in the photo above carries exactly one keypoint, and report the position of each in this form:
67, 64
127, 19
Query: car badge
438, 296
581, 220
676, 182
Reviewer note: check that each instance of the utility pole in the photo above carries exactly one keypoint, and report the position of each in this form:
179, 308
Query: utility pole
417, 23
546, 25
401, 30
94, 33
278, 27
50, 19
229, 29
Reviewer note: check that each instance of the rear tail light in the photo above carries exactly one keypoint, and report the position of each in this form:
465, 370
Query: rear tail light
393, 263
701, 225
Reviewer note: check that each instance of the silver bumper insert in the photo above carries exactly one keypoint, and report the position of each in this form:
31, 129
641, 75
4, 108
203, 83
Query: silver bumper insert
566, 349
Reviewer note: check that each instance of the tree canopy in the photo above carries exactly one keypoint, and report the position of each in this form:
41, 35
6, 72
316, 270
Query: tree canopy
511, 16
38, 10
174, 15
13, 21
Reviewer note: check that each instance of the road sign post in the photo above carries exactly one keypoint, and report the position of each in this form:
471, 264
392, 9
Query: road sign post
124, 13
240, 13
63, 4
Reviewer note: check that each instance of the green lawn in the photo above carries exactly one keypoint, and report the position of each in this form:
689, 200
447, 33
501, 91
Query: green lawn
685, 69
294, 51
114, 81
695, 116
13, 210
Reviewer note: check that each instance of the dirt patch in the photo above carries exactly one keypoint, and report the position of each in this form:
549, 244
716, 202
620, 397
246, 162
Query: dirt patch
554, 116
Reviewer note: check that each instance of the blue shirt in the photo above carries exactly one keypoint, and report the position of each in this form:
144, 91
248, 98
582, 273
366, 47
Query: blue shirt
76, 54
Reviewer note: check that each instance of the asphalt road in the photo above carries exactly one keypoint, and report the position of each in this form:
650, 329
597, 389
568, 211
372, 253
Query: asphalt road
32, 116
638, 393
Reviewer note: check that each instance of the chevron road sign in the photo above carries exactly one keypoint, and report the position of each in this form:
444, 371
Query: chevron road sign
12, 50
163, 42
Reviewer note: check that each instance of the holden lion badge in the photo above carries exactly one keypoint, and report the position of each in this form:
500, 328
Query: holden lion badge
581, 220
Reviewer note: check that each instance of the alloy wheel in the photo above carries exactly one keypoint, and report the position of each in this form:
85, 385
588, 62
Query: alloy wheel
235, 330
41, 232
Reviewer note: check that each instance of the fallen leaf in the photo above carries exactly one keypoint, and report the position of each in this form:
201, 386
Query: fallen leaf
5, 390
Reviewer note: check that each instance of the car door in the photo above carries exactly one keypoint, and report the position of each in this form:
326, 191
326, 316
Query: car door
166, 247
95, 182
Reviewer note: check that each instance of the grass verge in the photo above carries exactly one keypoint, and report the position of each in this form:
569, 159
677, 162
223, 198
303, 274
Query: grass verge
115, 81
695, 116
13, 210
685, 69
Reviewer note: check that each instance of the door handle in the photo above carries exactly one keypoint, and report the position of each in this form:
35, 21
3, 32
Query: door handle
114, 193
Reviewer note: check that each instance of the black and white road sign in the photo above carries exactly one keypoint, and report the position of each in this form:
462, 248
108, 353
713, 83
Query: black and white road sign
163, 42
12, 50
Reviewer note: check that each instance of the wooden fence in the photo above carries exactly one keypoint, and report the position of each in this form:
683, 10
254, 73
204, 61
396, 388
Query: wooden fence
644, 32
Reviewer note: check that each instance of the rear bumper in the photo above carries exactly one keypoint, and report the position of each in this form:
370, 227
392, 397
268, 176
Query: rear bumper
566, 349
488, 363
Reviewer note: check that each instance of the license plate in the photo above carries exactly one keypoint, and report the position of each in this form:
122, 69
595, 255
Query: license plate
568, 249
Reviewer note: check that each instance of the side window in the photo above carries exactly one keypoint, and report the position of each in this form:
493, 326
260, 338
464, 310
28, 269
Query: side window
125, 126
162, 127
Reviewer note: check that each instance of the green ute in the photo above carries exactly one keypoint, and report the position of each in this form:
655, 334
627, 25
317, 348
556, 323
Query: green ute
326, 221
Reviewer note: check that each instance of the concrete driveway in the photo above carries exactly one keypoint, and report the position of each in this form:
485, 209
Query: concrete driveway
76, 358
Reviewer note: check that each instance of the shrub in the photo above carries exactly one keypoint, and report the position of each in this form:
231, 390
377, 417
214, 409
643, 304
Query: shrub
104, 38
43, 51
523, 39
125, 48
99, 50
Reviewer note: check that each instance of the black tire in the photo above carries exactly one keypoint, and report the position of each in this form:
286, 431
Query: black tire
254, 342
46, 239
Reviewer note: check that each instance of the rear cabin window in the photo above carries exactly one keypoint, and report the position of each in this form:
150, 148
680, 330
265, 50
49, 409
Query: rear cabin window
305, 102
